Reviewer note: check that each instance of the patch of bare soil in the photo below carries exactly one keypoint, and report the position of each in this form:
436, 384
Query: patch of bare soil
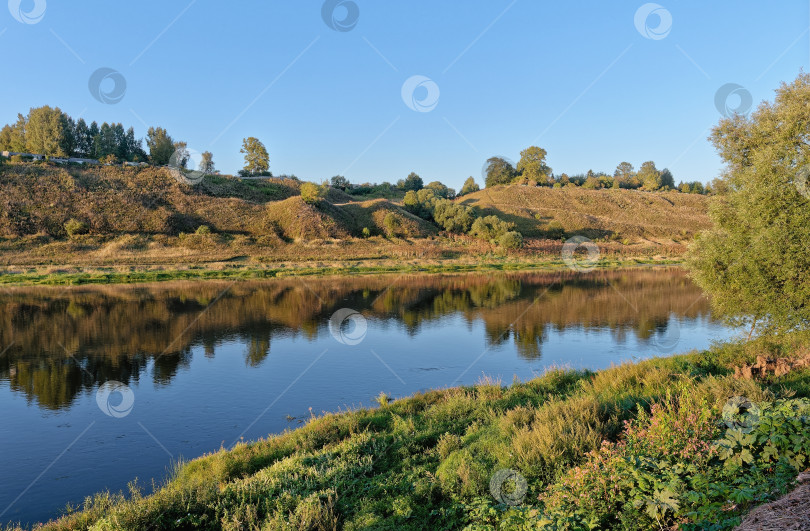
789, 513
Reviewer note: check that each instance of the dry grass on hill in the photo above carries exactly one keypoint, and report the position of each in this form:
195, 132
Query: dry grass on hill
608, 214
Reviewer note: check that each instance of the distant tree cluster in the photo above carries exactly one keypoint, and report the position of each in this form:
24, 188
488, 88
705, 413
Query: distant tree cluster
50, 132
532, 170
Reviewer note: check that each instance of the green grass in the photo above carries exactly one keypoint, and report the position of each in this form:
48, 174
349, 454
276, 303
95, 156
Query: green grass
425, 462
252, 273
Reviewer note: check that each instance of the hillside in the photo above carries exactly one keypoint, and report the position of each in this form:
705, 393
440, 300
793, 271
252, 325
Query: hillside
40, 199
56, 220
609, 214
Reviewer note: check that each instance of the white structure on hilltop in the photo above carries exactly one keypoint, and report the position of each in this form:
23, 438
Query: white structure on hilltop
58, 160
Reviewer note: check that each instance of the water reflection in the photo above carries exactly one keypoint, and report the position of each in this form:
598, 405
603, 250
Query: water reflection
66, 341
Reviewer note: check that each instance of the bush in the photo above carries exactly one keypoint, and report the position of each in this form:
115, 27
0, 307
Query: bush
74, 227
670, 468
366, 232
203, 230
391, 224
312, 194
453, 217
490, 228
555, 230
511, 240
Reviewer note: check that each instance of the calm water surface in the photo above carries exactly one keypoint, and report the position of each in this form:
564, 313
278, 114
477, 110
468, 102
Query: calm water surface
202, 365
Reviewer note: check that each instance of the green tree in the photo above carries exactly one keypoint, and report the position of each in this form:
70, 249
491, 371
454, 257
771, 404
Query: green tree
469, 187
180, 156
46, 132
649, 176
499, 171
532, 165
667, 180
754, 262
441, 190
257, 160
412, 182
160, 144
339, 181
207, 162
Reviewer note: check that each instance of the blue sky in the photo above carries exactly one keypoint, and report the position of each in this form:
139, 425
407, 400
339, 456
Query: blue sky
576, 78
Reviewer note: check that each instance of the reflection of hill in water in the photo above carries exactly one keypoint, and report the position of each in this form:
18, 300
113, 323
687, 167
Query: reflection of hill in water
66, 340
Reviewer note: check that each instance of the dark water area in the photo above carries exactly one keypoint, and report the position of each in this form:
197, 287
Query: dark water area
100, 385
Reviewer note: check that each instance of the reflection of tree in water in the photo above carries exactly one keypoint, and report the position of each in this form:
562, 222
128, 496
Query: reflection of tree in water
120, 332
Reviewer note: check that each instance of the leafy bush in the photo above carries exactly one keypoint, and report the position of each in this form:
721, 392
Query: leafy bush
203, 230
312, 194
511, 240
490, 228
74, 227
670, 468
453, 217
391, 224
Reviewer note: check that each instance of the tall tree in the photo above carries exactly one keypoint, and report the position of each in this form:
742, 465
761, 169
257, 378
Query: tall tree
160, 144
339, 181
469, 187
532, 165
667, 180
180, 156
413, 182
754, 262
649, 176
499, 171
45, 131
207, 162
84, 140
257, 160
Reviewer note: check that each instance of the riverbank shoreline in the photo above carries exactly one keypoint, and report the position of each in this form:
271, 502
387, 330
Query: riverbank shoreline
85, 275
429, 459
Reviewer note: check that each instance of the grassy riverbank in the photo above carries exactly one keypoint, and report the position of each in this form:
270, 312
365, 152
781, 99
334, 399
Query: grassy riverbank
634, 447
131, 275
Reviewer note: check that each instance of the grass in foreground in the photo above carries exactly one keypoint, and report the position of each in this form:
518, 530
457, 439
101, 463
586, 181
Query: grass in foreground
632, 447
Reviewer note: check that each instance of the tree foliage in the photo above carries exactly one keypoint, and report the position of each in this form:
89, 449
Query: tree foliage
499, 171
160, 144
257, 160
755, 262
469, 187
532, 166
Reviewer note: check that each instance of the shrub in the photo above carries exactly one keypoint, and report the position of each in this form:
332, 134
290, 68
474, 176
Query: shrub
74, 227
312, 194
490, 228
453, 217
511, 240
203, 230
391, 224
366, 232
555, 230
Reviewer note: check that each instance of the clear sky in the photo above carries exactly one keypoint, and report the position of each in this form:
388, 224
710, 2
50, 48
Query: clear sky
579, 79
